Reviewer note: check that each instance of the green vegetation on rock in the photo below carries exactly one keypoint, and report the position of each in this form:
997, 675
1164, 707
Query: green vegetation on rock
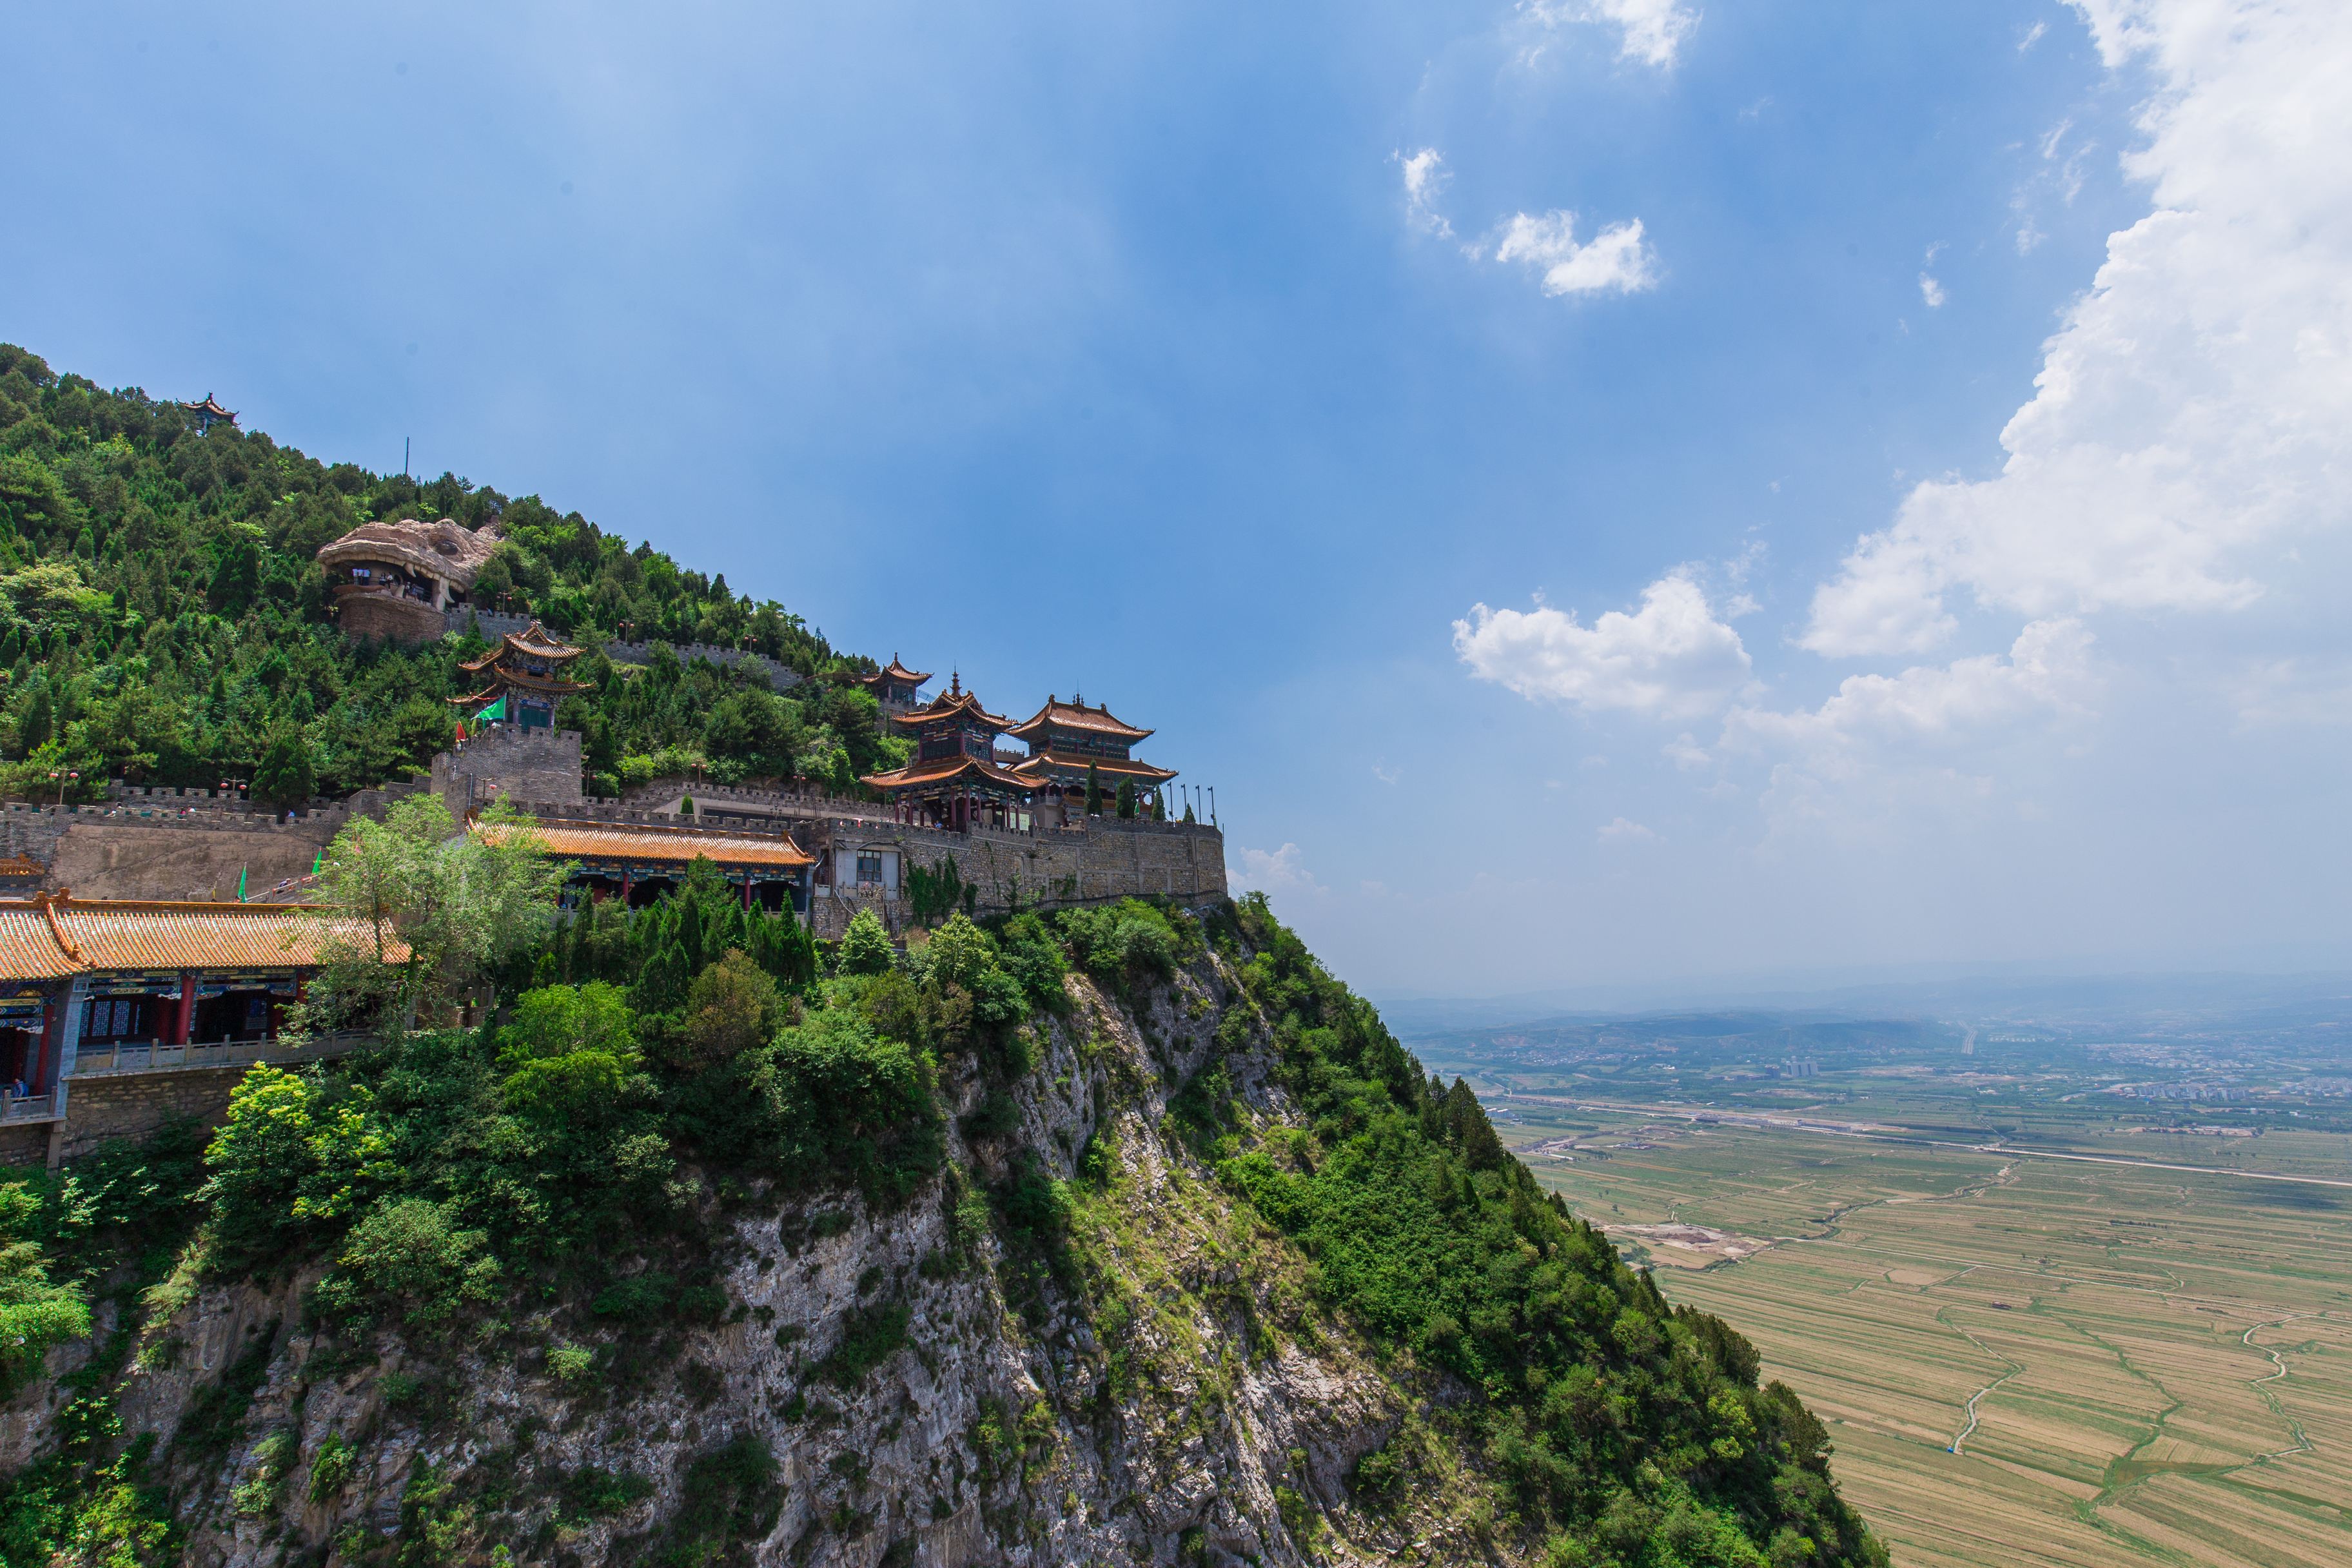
162, 620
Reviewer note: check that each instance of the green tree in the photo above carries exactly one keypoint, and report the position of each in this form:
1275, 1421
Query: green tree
1094, 790
865, 946
1127, 800
285, 775
419, 915
732, 1005
34, 1312
236, 568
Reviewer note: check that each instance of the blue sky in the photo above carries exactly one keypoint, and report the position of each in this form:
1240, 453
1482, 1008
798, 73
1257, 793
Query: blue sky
1218, 361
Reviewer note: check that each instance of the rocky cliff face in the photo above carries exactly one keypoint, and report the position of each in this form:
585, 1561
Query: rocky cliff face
1146, 1378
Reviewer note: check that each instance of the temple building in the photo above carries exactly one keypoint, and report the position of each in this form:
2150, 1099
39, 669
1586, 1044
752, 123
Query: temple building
208, 413
895, 687
399, 580
1068, 739
526, 679
638, 863
955, 780
104, 985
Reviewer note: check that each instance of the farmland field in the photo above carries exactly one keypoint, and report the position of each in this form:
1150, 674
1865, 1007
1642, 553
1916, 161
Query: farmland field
2025, 1359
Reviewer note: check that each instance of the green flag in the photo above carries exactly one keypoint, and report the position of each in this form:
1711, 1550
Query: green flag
240, 884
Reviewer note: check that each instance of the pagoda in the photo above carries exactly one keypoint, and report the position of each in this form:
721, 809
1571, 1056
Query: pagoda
954, 780
208, 413
894, 686
1068, 741
526, 677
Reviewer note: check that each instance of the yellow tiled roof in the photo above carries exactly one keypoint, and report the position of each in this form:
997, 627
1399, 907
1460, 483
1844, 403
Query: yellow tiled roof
674, 846
47, 936
29, 948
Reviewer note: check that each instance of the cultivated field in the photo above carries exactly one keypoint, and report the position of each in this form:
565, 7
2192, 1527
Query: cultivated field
2025, 1360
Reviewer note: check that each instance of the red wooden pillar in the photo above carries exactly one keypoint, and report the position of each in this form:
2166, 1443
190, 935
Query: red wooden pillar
184, 1016
746, 889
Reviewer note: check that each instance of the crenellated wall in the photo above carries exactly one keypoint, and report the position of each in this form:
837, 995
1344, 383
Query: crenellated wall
184, 844
506, 761
492, 625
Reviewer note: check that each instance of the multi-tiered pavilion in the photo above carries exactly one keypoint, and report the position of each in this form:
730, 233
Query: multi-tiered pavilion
1071, 744
525, 677
895, 687
954, 780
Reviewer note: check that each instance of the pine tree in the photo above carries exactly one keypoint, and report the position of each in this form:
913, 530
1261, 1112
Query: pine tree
864, 947
285, 775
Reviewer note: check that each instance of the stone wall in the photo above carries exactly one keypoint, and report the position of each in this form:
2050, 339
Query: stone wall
182, 844
25, 1143
541, 765
117, 858
396, 616
492, 625
134, 1104
1106, 860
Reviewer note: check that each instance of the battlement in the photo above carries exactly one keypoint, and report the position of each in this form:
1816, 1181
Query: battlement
510, 762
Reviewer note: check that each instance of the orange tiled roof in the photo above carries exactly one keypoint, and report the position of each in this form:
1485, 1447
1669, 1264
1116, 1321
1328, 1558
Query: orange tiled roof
29, 948
20, 866
1037, 765
534, 641
670, 845
947, 704
1073, 716
47, 936
945, 770
897, 672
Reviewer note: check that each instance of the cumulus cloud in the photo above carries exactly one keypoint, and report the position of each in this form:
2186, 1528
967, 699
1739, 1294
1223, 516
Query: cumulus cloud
2047, 672
1650, 31
1686, 754
2192, 418
1931, 291
1424, 179
1272, 871
1672, 658
1614, 260
1625, 831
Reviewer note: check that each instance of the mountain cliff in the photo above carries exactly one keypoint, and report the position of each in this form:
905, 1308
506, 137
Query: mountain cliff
1128, 1235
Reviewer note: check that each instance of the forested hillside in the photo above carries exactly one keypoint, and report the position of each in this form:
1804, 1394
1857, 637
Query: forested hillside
162, 619
1124, 1233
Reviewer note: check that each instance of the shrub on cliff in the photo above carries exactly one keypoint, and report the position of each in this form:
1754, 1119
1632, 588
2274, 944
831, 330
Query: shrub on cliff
1636, 1432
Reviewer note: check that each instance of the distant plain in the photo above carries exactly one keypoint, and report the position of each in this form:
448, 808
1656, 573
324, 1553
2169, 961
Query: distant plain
2025, 1358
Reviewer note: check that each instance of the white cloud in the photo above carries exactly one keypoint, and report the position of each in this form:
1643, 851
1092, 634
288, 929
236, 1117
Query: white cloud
1623, 831
1650, 31
1931, 291
1615, 258
1424, 179
1672, 658
2193, 419
2033, 37
1270, 871
1685, 753
2047, 672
